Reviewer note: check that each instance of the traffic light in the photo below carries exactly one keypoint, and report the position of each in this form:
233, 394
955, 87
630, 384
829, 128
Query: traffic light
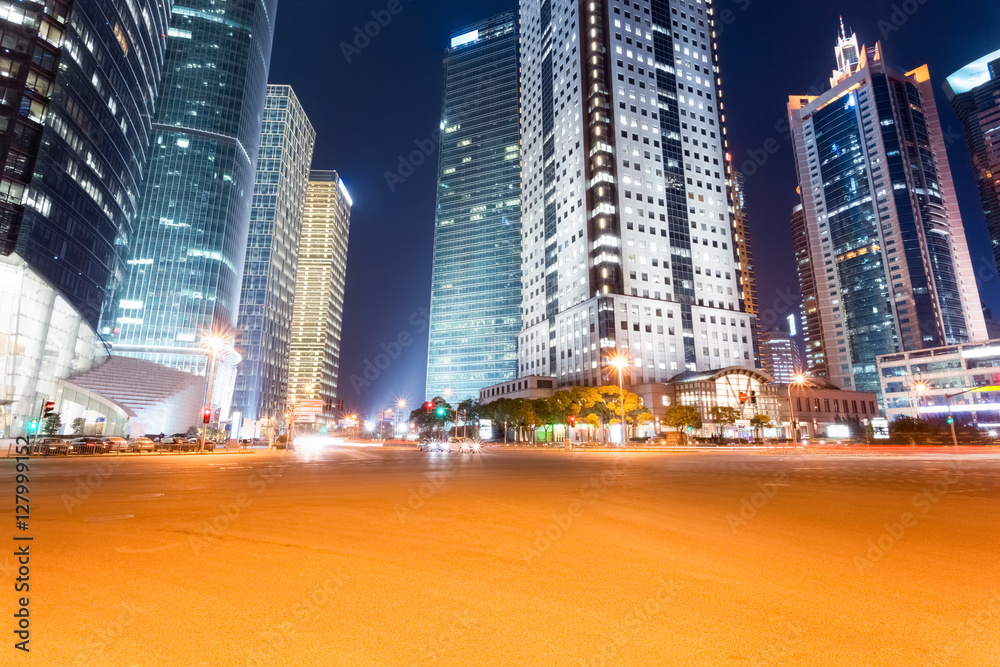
440, 411
753, 398
322, 429
33, 426
206, 416
951, 420
328, 405
48, 409
572, 421
340, 405
428, 406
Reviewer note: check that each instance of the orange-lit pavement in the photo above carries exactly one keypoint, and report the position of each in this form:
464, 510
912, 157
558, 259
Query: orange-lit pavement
354, 556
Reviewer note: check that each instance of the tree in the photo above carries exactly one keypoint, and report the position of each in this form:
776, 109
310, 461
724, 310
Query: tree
759, 423
723, 415
52, 424
523, 415
910, 426
428, 422
469, 409
78, 425
681, 417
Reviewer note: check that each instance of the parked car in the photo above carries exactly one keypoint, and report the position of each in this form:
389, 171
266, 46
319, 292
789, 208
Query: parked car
141, 445
88, 446
51, 446
115, 444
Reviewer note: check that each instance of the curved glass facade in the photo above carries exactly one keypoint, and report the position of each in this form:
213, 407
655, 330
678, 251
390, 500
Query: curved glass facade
78, 89
186, 262
476, 290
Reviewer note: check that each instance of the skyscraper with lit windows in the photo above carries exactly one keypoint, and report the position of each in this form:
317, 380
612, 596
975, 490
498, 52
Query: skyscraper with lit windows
628, 242
185, 264
271, 266
317, 318
80, 80
475, 292
889, 264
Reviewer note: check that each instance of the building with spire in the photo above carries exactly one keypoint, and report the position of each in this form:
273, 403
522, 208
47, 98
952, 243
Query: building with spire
881, 230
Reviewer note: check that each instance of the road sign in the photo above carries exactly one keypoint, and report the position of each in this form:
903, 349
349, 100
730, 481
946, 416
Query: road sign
880, 428
743, 397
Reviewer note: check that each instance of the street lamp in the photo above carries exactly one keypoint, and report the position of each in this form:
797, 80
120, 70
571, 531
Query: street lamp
918, 389
213, 342
798, 381
400, 404
620, 362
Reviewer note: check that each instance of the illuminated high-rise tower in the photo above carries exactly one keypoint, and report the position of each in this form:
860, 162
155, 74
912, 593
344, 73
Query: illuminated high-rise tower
475, 313
80, 80
271, 266
317, 318
974, 92
186, 260
887, 254
628, 241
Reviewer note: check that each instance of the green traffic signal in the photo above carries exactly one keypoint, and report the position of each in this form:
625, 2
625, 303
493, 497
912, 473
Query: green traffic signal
322, 429
951, 420
440, 412
33, 426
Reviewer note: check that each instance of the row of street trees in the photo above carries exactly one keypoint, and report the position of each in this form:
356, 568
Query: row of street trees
580, 407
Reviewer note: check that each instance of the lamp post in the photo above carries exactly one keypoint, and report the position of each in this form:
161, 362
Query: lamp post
951, 417
213, 342
619, 362
400, 404
797, 382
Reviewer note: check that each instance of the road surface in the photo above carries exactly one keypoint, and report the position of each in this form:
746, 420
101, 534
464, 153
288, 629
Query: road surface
351, 556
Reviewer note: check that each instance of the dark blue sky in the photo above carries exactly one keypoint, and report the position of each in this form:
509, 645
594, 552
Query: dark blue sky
387, 99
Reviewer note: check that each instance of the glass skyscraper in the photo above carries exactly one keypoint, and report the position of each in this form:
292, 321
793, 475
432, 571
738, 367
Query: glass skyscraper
475, 293
317, 318
885, 240
186, 261
974, 92
279, 198
79, 82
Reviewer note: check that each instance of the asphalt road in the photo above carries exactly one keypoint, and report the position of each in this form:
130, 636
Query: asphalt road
393, 557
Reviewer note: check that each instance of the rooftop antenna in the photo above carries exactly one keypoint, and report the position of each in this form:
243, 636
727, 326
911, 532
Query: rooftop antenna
843, 33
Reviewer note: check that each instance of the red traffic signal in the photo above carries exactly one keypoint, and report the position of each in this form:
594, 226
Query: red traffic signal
428, 406
48, 409
207, 415
571, 420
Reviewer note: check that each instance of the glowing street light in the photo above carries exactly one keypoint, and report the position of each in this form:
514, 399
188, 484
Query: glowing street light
798, 381
620, 361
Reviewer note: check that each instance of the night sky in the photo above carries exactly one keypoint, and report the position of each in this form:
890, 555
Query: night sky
369, 111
